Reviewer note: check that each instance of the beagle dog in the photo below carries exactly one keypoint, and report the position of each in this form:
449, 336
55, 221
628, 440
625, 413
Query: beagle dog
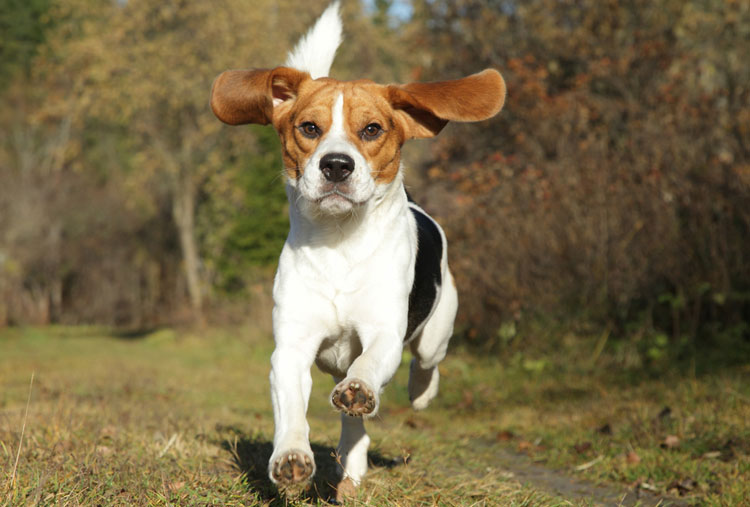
364, 270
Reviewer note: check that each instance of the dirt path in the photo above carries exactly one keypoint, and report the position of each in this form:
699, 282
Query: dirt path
524, 470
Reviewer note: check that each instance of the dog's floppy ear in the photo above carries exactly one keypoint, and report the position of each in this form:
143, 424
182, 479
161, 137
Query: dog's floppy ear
249, 96
427, 107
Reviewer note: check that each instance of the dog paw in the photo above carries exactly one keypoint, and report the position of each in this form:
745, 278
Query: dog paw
354, 398
292, 467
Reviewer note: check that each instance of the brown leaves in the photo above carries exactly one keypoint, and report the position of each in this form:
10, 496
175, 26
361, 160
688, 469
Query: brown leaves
670, 442
632, 458
525, 446
582, 447
417, 422
631, 108
505, 436
467, 400
529, 448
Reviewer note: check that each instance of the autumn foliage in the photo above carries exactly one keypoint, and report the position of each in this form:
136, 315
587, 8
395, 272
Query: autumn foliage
614, 187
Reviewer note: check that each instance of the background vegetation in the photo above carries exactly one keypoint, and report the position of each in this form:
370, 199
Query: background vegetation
183, 418
599, 232
613, 189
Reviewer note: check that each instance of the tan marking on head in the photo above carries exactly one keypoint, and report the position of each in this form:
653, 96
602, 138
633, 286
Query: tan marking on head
365, 104
313, 104
288, 98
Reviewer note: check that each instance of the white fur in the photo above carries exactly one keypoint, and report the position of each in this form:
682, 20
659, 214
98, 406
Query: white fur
341, 297
341, 292
315, 51
352, 448
315, 197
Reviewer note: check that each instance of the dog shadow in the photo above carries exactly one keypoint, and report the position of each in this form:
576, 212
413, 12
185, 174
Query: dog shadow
251, 455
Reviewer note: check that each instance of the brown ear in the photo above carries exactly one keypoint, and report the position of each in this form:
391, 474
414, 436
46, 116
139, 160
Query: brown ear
428, 107
248, 96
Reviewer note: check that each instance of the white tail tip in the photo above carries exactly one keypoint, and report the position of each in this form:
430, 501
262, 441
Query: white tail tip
315, 51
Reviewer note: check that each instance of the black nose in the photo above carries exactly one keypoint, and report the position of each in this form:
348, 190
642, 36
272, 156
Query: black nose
336, 166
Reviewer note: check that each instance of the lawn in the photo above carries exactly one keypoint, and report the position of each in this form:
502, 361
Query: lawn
184, 417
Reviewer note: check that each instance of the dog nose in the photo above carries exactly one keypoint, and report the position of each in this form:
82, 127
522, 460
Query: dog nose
336, 167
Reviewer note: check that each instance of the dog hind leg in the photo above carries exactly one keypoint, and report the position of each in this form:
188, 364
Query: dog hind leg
352, 454
430, 347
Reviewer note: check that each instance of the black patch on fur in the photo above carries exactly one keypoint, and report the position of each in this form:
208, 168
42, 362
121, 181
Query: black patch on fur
427, 275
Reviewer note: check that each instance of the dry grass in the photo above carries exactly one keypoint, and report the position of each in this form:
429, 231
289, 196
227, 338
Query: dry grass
178, 418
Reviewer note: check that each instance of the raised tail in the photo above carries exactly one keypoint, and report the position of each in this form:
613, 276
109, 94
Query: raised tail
315, 51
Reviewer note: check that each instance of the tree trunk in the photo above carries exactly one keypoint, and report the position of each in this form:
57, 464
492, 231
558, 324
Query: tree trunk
183, 210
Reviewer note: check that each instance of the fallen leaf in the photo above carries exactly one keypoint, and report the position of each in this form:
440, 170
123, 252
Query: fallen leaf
670, 442
505, 435
468, 399
397, 410
582, 447
632, 458
174, 486
524, 445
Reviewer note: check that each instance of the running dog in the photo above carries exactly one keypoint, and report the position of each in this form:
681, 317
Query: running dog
364, 270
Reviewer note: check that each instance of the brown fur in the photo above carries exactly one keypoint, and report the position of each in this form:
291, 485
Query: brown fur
403, 111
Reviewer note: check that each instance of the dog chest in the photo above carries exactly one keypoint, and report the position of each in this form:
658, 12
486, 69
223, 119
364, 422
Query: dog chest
336, 354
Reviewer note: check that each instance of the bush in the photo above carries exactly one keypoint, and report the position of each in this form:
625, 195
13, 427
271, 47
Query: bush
614, 185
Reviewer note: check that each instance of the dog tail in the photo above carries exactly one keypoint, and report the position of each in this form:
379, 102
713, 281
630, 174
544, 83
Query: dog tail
315, 50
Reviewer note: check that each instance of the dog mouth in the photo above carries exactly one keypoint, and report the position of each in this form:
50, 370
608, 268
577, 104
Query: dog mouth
336, 195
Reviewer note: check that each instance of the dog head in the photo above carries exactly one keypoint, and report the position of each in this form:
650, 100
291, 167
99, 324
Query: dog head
341, 140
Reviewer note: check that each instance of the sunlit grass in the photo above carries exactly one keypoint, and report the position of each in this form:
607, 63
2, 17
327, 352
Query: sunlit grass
185, 418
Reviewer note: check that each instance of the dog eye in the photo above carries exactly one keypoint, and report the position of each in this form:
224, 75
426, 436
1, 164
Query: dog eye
309, 130
371, 132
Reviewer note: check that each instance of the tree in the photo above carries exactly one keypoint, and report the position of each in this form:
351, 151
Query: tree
23, 25
123, 195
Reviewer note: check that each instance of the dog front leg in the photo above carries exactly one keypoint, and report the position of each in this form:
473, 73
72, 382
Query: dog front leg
358, 395
292, 461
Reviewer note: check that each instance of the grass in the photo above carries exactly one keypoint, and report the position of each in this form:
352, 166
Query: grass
184, 418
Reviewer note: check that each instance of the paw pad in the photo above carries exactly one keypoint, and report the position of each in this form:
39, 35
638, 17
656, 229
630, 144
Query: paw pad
354, 398
292, 467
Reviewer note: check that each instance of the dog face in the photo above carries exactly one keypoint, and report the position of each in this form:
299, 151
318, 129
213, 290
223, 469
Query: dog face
341, 140
341, 144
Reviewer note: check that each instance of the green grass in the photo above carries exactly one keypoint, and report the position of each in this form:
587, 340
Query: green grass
185, 418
